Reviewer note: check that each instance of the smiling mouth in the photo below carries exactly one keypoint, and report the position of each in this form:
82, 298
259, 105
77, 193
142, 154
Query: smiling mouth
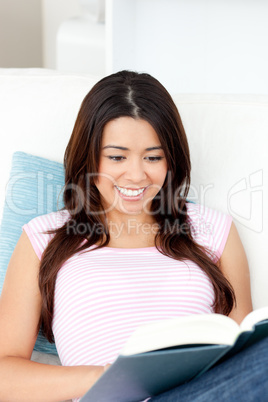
130, 192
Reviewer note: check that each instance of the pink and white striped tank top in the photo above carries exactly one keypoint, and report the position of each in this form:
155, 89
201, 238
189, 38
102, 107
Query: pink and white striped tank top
103, 295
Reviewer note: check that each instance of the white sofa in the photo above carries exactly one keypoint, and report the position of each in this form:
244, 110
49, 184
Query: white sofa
228, 136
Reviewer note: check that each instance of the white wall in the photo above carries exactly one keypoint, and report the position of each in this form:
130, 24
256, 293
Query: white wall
192, 46
54, 12
20, 33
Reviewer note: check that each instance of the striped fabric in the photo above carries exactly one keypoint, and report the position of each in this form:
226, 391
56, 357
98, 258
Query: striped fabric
102, 296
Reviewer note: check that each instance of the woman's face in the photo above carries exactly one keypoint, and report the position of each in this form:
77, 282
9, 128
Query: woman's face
132, 166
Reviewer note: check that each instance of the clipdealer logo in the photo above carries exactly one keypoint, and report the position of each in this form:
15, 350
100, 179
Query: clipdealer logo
245, 201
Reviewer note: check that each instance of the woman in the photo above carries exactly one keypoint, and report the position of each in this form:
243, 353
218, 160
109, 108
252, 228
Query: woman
126, 249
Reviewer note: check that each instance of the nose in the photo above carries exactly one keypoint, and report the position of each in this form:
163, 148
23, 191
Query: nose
135, 171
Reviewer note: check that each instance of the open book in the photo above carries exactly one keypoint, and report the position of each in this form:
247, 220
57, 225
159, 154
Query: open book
163, 354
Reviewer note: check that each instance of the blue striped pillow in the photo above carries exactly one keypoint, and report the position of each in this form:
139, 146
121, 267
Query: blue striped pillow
34, 188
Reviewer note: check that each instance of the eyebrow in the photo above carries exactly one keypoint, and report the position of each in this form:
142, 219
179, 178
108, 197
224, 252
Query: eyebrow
127, 149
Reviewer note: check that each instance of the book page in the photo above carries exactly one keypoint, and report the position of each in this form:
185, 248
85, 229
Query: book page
194, 329
252, 318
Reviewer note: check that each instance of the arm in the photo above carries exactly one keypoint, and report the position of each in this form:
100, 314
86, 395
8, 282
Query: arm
20, 307
234, 265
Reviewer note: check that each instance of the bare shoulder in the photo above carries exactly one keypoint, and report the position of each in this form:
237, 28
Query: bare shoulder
234, 266
20, 302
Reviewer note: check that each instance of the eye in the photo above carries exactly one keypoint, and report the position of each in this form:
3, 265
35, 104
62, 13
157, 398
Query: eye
151, 159
116, 158
154, 158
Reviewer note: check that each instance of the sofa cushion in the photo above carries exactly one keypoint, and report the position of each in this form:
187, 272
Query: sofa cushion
38, 112
34, 188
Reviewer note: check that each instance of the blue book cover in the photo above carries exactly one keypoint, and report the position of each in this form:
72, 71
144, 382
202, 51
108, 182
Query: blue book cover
173, 357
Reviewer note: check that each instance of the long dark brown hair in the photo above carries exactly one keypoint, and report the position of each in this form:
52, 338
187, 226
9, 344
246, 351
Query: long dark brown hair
139, 96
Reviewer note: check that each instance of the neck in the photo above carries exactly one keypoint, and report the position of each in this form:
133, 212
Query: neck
132, 231
131, 225
132, 228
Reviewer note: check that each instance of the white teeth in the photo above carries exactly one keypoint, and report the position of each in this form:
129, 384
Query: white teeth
130, 193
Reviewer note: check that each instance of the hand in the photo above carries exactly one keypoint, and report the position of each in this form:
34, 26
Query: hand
99, 371
106, 366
